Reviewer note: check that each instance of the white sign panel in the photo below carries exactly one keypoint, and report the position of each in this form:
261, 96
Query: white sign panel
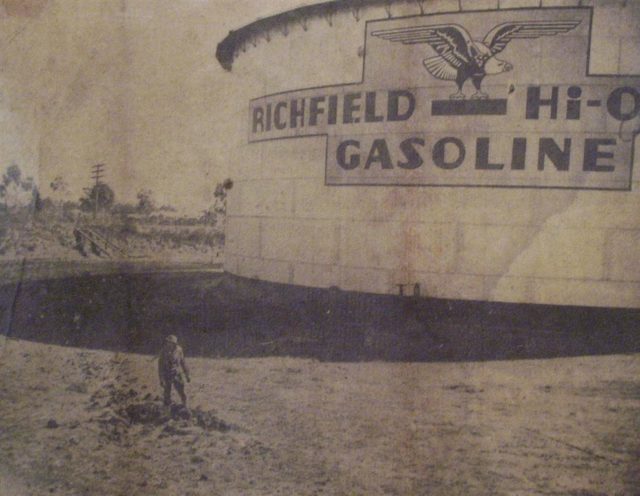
492, 98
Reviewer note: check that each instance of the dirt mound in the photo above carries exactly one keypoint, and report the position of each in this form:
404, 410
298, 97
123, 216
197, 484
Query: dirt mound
38, 240
152, 413
209, 421
148, 413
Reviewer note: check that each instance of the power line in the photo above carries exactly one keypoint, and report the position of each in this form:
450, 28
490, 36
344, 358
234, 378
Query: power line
97, 173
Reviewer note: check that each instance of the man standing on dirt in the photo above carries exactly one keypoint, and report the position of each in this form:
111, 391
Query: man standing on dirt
172, 369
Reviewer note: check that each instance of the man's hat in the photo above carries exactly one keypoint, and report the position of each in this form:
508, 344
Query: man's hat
171, 339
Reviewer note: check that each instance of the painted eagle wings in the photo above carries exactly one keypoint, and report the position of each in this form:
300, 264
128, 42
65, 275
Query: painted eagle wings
498, 38
450, 41
458, 51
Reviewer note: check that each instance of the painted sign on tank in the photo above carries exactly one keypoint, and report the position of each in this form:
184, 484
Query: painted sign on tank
493, 98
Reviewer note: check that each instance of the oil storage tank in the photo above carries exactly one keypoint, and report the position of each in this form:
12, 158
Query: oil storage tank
476, 150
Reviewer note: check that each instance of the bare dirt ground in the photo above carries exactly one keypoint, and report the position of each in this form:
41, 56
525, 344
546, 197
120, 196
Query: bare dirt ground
295, 426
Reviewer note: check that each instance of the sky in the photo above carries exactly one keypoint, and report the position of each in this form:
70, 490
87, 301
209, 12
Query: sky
133, 84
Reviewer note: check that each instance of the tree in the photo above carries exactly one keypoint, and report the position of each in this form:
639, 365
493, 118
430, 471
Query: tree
16, 191
59, 185
220, 196
146, 203
99, 197
60, 190
219, 207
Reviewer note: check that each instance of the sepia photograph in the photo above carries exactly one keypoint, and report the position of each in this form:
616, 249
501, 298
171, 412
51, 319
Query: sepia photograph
339, 247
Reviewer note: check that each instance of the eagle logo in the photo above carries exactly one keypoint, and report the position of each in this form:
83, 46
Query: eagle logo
461, 58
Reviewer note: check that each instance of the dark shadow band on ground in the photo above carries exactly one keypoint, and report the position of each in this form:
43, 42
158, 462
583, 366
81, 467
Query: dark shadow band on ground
220, 315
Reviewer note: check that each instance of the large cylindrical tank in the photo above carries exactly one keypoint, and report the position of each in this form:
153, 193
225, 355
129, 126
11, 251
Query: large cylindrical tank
544, 208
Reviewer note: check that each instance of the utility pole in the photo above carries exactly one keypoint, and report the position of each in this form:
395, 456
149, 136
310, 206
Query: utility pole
97, 173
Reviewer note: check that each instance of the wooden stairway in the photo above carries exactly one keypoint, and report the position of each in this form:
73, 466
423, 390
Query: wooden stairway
98, 243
